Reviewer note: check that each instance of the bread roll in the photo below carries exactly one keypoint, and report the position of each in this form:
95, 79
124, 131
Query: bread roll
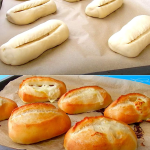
28, 12
131, 40
130, 108
32, 43
102, 8
41, 89
100, 133
84, 99
36, 122
6, 107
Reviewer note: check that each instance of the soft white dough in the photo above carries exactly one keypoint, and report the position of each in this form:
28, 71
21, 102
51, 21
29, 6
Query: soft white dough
32, 43
28, 12
131, 40
102, 8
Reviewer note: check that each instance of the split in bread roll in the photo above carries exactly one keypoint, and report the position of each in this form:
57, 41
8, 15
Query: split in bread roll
41, 89
100, 133
130, 108
71, 1
36, 122
6, 107
28, 12
84, 99
131, 40
32, 43
102, 8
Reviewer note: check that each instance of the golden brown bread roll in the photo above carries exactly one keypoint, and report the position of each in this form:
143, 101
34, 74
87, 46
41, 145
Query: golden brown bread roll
6, 107
130, 108
36, 122
84, 99
100, 133
41, 89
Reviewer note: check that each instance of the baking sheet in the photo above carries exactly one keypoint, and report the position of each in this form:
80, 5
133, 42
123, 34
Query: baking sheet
86, 50
115, 88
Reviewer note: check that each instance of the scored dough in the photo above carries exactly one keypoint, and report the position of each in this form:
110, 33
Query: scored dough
32, 43
30, 11
131, 40
102, 8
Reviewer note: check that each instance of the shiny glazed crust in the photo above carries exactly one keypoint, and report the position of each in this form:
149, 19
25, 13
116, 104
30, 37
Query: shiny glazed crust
6, 107
84, 99
130, 108
100, 133
36, 122
28, 94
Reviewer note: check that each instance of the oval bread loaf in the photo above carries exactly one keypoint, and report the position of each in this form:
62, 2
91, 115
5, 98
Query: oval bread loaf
6, 107
28, 12
130, 108
36, 122
84, 99
32, 43
102, 8
100, 133
131, 40
41, 89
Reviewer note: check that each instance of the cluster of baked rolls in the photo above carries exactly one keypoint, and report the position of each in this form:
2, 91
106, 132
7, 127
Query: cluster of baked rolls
39, 120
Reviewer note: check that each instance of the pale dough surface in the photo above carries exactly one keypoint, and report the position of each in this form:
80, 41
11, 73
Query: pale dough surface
131, 40
29, 11
102, 8
32, 43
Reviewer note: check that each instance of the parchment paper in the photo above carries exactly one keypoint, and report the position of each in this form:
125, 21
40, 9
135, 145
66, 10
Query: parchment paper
86, 50
115, 88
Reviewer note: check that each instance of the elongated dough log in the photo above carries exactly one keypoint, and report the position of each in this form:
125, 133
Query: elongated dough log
71, 1
32, 43
30, 11
131, 40
102, 8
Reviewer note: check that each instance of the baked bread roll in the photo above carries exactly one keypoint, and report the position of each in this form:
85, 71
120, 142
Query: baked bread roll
84, 99
32, 43
131, 40
102, 8
100, 133
41, 89
28, 12
6, 107
130, 108
36, 122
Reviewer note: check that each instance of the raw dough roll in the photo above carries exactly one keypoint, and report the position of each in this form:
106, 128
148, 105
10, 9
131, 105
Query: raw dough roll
100, 133
28, 12
130, 108
41, 89
36, 122
6, 107
32, 43
131, 40
71, 1
102, 8
84, 99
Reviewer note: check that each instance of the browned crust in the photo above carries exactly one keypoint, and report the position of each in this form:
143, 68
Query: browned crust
7, 108
36, 132
28, 98
96, 140
130, 113
79, 108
